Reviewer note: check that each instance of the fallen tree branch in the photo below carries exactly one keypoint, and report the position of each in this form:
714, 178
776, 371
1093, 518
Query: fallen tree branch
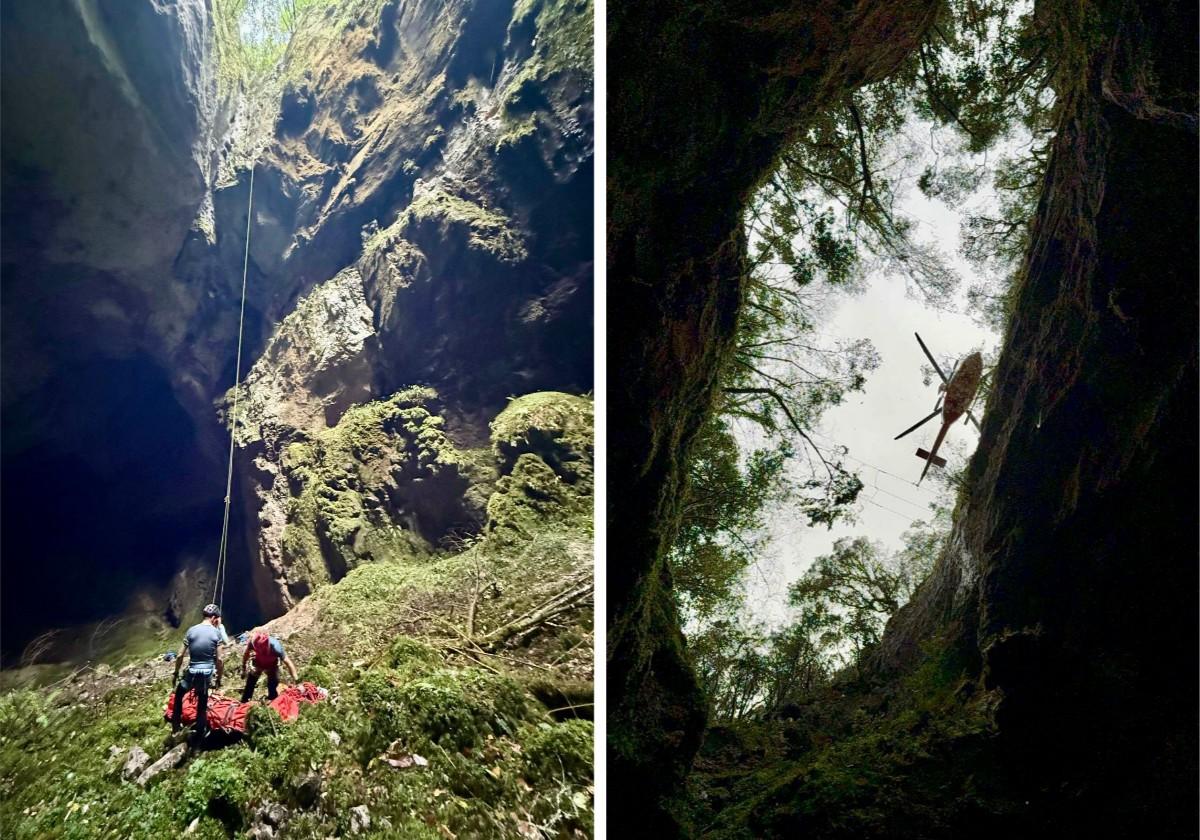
562, 602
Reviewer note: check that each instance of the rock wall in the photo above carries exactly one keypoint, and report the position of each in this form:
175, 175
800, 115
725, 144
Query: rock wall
421, 217
702, 96
1072, 567
442, 175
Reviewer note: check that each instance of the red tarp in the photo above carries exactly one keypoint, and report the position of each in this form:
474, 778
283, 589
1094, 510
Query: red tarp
230, 715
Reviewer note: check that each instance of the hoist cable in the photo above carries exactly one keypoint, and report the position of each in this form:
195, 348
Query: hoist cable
222, 556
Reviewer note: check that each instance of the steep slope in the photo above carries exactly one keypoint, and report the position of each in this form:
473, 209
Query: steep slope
1072, 566
469, 669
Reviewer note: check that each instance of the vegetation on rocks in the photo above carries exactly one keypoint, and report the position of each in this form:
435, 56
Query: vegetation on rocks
860, 760
554, 426
485, 229
543, 443
435, 662
385, 464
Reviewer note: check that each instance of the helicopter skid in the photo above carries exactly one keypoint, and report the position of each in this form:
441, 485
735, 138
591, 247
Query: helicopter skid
933, 459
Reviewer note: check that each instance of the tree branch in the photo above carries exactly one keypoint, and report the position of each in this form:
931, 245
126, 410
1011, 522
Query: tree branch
769, 392
868, 187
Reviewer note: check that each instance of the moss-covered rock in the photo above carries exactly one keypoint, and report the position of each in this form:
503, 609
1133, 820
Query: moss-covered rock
560, 751
485, 229
529, 498
543, 444
384, 483
556, 427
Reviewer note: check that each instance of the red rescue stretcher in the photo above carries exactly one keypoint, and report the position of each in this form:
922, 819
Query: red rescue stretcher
227, 715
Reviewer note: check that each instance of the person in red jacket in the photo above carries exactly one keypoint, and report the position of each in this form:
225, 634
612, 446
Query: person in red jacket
264, 652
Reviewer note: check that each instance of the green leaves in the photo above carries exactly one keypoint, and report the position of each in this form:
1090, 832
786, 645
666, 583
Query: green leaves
726, 496
252, 35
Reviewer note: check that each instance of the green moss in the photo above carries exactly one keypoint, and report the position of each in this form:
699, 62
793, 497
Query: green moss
282, 752
487, 230
457, 709
214, 786
365, 599
449, 708
317, 675
556, 427
516, 130
407, 654
560, 751
529, 499
562, 43
344, 478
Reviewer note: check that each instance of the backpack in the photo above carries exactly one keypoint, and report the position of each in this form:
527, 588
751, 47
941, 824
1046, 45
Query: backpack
264, 655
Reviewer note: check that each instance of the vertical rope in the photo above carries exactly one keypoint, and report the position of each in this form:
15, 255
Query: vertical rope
219, 583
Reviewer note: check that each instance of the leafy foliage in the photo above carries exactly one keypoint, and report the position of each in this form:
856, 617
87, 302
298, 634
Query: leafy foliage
839, 609
828, 211
251, 35
855, 589
724, 506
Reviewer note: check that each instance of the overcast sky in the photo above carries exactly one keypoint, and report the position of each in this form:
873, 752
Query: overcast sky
894, 398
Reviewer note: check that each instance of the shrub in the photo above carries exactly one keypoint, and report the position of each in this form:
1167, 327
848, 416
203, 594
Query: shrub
555, 751
318, 674
285, 750
408, 654
456, 709
215, 785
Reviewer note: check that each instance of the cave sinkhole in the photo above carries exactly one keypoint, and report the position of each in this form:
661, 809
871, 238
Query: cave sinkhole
106, 491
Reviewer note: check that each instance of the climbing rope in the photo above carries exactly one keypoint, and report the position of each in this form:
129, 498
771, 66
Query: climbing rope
219, 582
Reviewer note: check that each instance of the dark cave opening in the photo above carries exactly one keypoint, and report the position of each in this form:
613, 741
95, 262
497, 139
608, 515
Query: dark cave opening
106, 491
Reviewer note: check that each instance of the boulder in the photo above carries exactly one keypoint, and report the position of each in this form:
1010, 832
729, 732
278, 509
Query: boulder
360, 819
135, 763
169, 761
308, 789
268, 819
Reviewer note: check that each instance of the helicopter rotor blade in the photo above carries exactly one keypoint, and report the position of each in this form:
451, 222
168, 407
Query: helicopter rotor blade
919, 423
932, 361
971, 417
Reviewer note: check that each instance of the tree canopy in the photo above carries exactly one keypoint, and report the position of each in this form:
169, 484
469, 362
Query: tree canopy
828, 212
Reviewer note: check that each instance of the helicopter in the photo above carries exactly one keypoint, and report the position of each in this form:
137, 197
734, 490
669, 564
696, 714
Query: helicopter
959, 392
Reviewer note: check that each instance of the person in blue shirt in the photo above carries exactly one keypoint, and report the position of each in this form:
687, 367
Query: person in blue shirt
202, 645
267, 652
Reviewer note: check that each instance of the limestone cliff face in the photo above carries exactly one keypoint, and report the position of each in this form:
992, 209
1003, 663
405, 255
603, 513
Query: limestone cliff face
421, 217
436, 162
